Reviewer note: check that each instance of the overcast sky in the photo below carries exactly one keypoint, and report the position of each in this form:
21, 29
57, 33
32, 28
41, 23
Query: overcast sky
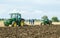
30, 8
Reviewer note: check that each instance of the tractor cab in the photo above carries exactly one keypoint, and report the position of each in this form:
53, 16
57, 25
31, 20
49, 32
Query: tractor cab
15, 16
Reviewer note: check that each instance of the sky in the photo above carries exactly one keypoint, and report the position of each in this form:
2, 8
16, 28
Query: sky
30, 9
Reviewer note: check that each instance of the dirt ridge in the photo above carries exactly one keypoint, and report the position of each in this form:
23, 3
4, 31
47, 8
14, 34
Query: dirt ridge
44, 31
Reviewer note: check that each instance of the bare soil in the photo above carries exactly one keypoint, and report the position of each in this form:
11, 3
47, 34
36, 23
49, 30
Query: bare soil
44, 31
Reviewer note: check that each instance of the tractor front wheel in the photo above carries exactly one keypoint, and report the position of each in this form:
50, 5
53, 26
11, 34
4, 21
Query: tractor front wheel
14, 24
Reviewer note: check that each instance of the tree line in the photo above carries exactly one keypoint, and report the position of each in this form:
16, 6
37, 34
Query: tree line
1, 19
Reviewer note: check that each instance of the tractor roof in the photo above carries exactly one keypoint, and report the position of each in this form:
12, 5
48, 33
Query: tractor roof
15, 14
22, 19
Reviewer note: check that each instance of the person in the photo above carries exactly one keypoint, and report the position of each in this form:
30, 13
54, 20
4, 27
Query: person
33, 21
29, 21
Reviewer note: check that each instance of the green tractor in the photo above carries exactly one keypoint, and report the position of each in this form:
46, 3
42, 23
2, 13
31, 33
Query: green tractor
46, 21
15, 20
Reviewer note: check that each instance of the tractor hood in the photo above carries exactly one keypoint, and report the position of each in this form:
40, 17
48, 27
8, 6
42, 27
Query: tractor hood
7, 22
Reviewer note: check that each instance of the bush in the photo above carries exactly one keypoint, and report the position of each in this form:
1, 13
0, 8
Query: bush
55, 19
